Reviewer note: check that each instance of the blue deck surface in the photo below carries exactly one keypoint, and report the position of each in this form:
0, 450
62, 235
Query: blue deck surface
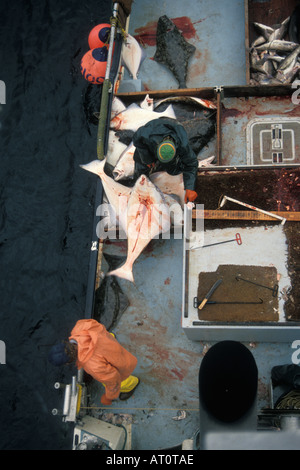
218, 33
168, 362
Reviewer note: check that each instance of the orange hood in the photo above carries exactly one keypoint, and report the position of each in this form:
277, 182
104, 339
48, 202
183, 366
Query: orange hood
86, 333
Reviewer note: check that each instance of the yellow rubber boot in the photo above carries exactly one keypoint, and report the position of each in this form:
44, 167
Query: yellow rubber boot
128, 386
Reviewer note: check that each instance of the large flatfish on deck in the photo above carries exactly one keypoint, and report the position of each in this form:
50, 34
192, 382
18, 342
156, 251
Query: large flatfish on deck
169, 184
172, 50
124, 167
200, 131
117, 194
148, 215
134, 117
115, 148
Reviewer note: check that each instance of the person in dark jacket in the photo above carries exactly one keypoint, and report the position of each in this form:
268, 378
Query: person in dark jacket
162, 145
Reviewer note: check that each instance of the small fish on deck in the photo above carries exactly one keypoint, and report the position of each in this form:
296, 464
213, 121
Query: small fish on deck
132, 55
187, 99
274, 59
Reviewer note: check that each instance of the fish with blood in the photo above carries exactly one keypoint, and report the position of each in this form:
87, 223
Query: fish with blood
148, 215
134, 117
188, 99
147, 34
169, 184
124, 167
143, 212
172, 50
115, 148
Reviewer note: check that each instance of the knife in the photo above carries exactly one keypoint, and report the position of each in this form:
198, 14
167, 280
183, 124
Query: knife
209, 294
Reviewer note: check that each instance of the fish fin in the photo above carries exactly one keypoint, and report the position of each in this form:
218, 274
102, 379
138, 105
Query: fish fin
170, 112
124, 272
158, 57
132, 106
205, 161
190, 48
95, 166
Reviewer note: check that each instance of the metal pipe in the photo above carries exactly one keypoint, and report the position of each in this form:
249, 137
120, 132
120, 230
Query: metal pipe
67, 400
111, 41
106, 90
273, 289
74, 386
80, 376
226, 198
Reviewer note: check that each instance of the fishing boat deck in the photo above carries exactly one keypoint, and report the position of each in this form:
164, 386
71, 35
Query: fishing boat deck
168, 362
217, 29
152, 324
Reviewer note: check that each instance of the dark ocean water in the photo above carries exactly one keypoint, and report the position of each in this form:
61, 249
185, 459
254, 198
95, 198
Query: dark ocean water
47, 206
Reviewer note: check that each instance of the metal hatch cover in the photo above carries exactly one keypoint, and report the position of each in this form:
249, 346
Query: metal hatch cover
273, 141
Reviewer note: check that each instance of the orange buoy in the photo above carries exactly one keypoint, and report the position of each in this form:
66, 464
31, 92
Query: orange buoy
93, 65
99, 36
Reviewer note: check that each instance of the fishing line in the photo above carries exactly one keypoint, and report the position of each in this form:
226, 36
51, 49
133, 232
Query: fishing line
136, 408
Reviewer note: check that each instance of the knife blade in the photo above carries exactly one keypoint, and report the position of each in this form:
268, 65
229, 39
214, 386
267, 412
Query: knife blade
209, 294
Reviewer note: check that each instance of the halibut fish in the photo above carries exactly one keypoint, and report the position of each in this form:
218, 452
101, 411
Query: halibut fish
124, 168
117, 194
115, 148
132, 55
148, 215
169, 184
173, 50
143, 212
134, 117
117, 106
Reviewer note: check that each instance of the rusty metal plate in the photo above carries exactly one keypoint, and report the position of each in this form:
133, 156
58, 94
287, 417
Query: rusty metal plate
235, 299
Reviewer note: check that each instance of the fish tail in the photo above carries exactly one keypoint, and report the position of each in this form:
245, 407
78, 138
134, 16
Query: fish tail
125, 272
95, 166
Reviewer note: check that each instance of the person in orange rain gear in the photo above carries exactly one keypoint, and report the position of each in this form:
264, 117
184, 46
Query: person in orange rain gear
100, 355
